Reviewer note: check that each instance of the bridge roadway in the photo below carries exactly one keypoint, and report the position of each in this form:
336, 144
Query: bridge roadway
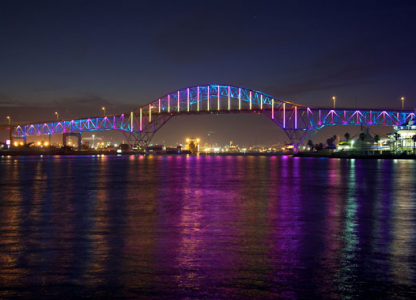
139, 126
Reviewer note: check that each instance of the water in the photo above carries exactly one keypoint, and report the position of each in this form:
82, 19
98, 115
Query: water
134, 227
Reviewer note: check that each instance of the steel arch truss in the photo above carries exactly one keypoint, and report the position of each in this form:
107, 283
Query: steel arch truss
298, 121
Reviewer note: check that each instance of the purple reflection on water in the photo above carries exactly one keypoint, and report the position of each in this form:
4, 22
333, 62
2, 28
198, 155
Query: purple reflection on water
206, 227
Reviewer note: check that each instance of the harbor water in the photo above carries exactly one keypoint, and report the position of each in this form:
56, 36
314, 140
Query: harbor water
206, 227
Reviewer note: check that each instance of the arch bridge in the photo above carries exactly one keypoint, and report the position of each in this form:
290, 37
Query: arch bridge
139, 126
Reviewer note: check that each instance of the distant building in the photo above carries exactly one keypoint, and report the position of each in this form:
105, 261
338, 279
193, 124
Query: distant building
192, 145
345, 145
156, 149
401, 139
367, 144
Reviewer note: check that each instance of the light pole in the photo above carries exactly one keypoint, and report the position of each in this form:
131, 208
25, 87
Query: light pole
57, 116
103, 108
402, 103
10, 127
333, 98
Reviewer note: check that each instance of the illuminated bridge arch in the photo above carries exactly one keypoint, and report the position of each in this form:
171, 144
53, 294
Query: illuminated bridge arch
298, 121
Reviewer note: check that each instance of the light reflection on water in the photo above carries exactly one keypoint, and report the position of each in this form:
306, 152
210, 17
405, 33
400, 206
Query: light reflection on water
206, 227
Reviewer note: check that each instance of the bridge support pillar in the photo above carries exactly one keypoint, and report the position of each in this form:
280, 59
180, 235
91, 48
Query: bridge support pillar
132, 139
76, 134
299, 136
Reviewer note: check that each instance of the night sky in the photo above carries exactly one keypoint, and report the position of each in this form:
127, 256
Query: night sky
77, 56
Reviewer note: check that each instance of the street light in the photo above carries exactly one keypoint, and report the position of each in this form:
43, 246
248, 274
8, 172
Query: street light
402, 103
333, 98
103, 108
8, 117
57, 116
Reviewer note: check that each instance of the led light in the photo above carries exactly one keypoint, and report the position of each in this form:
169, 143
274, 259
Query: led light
229, 97
239, 98
141, 119
218, 98
197, 98
187, 97
296, 117
168, 103
179, 104
284, 115
207, 97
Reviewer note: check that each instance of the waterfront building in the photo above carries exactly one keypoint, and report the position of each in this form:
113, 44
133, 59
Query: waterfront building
367, 144
402, 138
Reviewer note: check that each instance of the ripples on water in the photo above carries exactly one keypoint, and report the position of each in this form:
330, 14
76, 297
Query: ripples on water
206, 227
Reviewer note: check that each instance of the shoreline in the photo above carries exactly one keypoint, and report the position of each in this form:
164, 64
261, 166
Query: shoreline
354, 155
343, 155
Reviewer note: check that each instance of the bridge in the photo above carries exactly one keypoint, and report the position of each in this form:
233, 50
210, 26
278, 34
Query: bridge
139, 126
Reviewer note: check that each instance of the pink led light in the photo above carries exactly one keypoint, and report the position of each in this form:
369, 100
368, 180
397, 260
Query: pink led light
284, 115
296, 117
179, 104
187, 97
251, 96
159, 106
150, 113
229, 97
218, 98
197, 98
273, 109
